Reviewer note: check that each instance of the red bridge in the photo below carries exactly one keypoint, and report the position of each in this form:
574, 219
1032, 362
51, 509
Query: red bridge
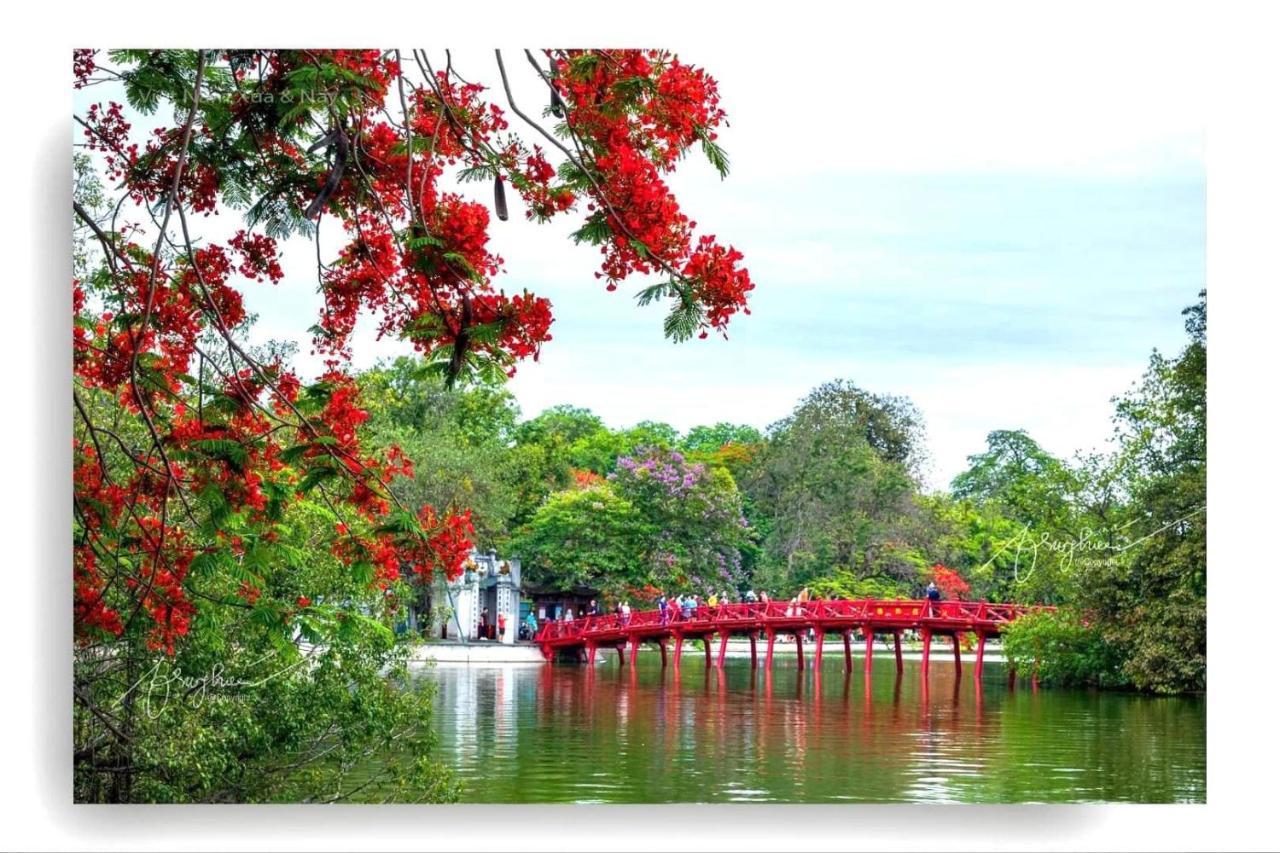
584, 637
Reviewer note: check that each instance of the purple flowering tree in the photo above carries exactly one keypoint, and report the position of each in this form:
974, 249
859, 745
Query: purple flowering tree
696, 517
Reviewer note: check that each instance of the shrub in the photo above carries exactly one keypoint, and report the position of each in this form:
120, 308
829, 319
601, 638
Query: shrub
1063, 648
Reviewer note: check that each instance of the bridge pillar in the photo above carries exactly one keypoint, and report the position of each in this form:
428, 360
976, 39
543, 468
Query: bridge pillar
768, 655
800, 649
955, 648
926, 636
706, 649
977, 666
752, 636
869, 635
897, 650
635, 647
679, 648
848, 652
622, 657
591, 653
724, 644
662, 649
817, 650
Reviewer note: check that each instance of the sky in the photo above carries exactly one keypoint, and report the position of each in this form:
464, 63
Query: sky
1001, 235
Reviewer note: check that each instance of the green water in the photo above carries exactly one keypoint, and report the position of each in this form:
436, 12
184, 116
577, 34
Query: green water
564, 734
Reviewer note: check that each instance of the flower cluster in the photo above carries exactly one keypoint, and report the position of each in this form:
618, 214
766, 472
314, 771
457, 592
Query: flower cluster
83, 66
950, 583
697, 513
639, 112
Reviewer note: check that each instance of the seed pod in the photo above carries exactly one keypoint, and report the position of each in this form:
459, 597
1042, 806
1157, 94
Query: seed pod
500, 198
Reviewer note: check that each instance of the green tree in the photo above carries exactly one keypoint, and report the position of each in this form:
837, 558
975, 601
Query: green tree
695, 513
1019, 506
276, 696
1015, 473
835, 480
585, 538
1135, 602
458, 439
1149, 599
709, 439
563, 424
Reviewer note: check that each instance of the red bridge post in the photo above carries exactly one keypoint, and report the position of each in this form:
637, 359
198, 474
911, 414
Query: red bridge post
768, 657
926, 636
800, 649
897, 649
706, 648
662, 648
724, 643
817, 649
679, 647
869, 635
977, 666
752, 636
848, 651
635, 647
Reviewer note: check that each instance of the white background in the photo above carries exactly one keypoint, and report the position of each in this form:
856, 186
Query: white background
1243, 143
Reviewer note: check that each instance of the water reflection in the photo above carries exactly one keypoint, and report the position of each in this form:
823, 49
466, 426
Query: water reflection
520, 733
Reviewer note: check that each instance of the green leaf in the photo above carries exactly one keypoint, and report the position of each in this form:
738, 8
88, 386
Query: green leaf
654, 292
594, 231
719, 159
683, 321
231, 452
477, 173
315, 477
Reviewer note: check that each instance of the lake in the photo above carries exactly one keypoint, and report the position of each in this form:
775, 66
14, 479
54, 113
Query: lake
522, 733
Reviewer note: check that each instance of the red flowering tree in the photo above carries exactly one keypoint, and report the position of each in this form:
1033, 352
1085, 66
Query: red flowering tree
191, 447
952, 586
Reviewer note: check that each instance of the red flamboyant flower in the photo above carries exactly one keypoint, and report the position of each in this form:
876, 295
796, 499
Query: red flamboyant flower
949, 582
82, 66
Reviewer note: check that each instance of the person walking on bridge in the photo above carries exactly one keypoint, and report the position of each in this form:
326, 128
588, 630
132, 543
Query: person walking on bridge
932, 595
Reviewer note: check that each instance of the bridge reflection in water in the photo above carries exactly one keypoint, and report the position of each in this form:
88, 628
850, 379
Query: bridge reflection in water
610, 733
